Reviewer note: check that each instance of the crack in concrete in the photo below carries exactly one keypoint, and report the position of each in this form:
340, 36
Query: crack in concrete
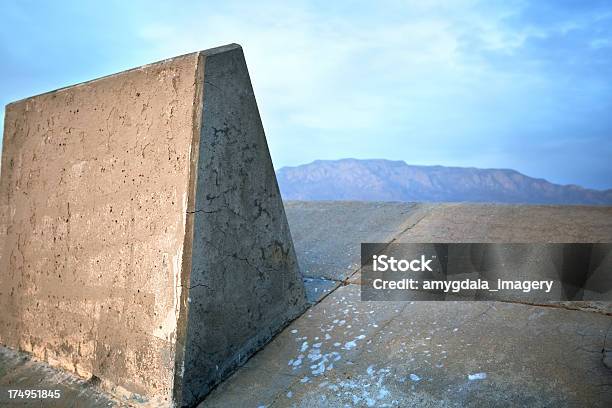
413, 224
558, 306
346, 281
203, 211
201, 285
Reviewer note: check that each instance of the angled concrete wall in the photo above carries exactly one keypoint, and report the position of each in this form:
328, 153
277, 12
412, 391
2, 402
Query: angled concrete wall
143, 237
244, 272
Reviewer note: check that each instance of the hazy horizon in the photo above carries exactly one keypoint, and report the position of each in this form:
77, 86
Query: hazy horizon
534, 176
386, 180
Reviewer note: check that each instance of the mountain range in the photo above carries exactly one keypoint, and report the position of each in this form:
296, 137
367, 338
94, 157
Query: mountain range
387, 180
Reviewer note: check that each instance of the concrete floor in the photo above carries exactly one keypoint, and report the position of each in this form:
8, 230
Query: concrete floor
344, 352
18, 371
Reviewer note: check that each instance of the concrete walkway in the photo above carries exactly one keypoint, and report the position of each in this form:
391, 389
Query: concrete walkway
344, 352
19, 372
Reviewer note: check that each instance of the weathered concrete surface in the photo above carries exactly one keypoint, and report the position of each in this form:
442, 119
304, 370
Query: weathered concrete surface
328, 234
143, 237
507, 223
510, 223
245, 284
18, 371
318, 288
344, 352
93, 196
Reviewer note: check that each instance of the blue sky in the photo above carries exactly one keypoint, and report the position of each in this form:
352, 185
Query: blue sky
508, 84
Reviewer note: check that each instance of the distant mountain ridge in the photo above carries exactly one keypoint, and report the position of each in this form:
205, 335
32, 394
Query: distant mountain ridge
387, 180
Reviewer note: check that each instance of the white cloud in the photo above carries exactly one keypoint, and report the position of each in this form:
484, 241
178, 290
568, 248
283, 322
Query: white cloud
456, 82
350, 75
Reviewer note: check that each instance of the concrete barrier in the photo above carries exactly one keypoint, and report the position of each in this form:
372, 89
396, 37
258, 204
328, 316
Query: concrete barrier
144, 241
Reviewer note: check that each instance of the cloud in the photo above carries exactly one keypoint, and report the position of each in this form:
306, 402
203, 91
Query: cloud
456, 82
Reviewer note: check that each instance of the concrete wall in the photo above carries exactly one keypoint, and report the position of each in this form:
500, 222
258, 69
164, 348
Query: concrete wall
98, 197
244, 271
94, 187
